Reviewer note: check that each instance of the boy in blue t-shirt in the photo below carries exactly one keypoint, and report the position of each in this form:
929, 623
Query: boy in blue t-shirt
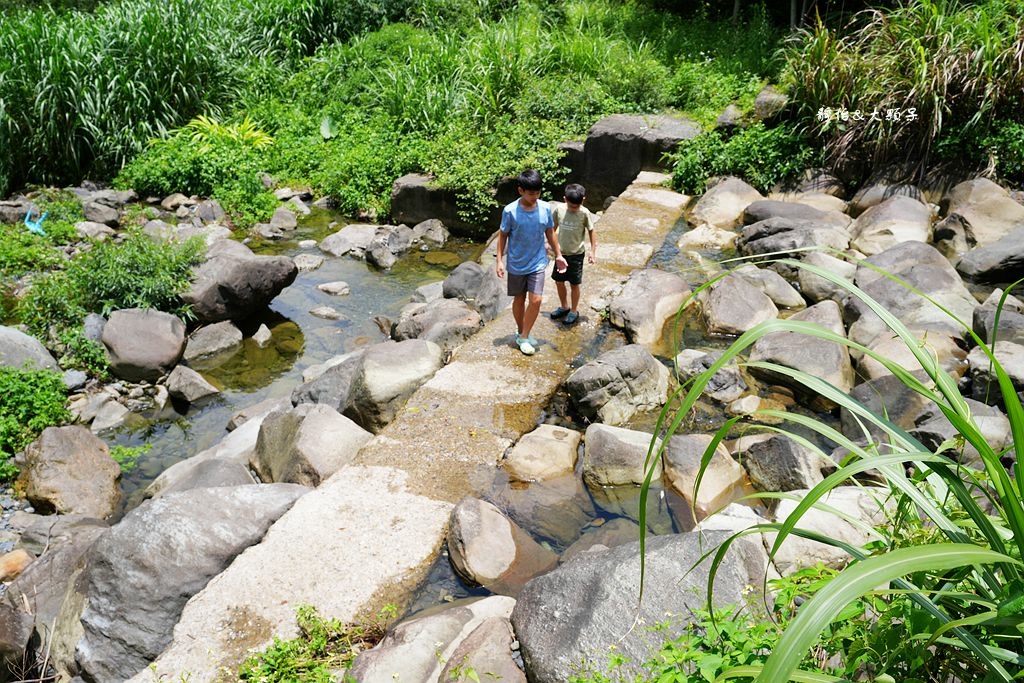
525, 224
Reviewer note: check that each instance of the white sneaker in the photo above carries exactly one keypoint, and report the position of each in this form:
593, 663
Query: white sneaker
526, 347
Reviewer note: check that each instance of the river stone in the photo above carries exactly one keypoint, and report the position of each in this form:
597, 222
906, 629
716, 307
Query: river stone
706, 237
446, 322
352, 240
144, 570
895, 220
873, 194
488, 549
723, 204
732, 305
188, 385
648, 298
886, 397
817, 288
100, 213
554, 509
1011, 319
618, 383
722, 479
772, 208
490, 648
431, 231
820, 358
788, 236
574, 614
233, 282
941, 347
109, 415
206, 474
479, 287
67, 470
418, 649
306, 444
619, 146
1000, 261
263, 336
88, 230
725, 386
174, 201
984, 385
18, 350
773, 285
733, 517
991, 422
779, 463
333, 386
870, 506
920, 266
546, 452
429, 292
613, 456
284, 219
308, 262
389, 374
388, 243
326, 313
336, 288
986, 209
213, 340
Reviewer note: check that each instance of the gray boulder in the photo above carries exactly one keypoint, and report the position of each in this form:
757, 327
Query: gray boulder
609, 534
553, 508
388, 244
188, 385
100, 213
545, 453
233, 282
218, 340
67, 470
284, 219
731, 306
788, 236
431, 231
18, 350
724, 386
820, 358
388, 375
488, 549
764, 209
922, 267
886, 397
479, 287
648, 299
446, 322
205, 474
817, 288
143, 571
618, 383
723, 204
773, 285
306, 444
1011, 319
769, 103
1001, 261
779, 463
351, 239
873, 194
722, 480
984, 384
895, 220
490, 648
333, 386
613, 456
991, 422
619, 146
100, 232
573, 615
987, 211
143, 344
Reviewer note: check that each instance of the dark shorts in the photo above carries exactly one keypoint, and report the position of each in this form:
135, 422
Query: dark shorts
521, 284
574, 273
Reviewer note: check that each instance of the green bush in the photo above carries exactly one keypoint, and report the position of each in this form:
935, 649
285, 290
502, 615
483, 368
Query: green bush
30, 401
22, 252
1006, 147
761, 156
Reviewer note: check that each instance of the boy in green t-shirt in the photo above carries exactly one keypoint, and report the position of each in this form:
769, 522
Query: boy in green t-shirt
574, 224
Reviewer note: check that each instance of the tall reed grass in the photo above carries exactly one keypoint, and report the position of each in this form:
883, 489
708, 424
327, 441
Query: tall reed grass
952, 550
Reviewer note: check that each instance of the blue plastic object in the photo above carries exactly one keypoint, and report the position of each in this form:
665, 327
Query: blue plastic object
35, 226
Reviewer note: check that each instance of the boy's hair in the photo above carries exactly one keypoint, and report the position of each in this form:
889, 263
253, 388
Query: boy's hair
574, 193
530, 179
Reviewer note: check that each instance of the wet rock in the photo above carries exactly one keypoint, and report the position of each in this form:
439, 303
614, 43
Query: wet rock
233, 282
545, 453
554, 509
389, 374
488, 549
18, 350
596, 539
306, 262
336, 288
614, 456
213, 340
188, 385
617, 384
326, 313
352, 239
723, 204
648, 298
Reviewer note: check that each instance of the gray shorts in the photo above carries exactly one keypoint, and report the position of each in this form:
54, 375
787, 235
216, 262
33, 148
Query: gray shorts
521, 284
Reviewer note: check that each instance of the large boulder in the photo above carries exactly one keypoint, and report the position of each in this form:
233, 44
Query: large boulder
389, 374
143, 571
1000, 261
723, 204
721, 482
773, 208
789, 236
306, 444
613, 456
618, 383
143, 344
780, 463
984, 384
775, 287
923, 268
188, 385
647, 300
233, 282
446, 322
817, 357
479, 287
352, 240
731, 306
68, 470
724, 386
545, 453
618, 147
333, 386
18, 350
572, 616
987, 211
1011, 319
218, 340
415, 198
897, 219
388, 244
875, 193
488, 549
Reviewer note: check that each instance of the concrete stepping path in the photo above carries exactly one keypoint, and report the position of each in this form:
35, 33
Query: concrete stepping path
368, 535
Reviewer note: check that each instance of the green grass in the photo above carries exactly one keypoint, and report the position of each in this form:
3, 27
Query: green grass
952, 551
30, 401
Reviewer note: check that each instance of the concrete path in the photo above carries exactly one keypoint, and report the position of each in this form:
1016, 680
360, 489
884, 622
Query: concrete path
368, 535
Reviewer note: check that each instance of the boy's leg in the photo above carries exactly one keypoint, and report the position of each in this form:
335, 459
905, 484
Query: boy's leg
518, 312
563, 300
575, 298
530, 314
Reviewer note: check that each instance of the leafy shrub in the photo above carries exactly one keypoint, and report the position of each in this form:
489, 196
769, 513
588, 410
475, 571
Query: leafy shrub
1006, 147
704, 89
22, 252
761, 156
82, 353
136, 273
30, 401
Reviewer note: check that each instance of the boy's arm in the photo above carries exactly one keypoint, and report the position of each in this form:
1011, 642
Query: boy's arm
592, 258
499, 267
553, 243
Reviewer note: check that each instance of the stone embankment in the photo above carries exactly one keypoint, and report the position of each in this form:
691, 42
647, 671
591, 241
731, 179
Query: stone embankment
368, 534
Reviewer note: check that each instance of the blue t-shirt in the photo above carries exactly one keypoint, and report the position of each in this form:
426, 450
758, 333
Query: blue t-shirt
525, 230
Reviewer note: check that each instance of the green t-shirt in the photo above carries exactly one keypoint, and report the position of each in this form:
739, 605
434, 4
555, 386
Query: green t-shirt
572, 228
